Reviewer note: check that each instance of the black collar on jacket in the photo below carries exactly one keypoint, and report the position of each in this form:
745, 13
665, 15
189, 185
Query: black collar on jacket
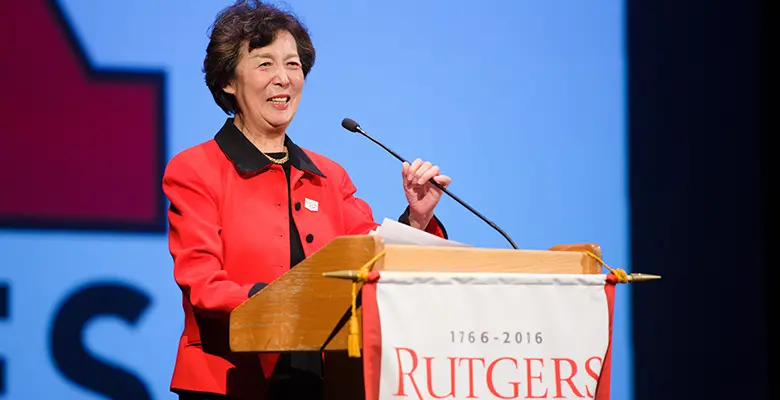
248, 159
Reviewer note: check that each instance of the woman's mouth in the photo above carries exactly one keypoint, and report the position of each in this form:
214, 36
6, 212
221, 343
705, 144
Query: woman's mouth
280, 100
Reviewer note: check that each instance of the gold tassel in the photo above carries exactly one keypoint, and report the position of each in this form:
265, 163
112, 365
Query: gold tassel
353, 340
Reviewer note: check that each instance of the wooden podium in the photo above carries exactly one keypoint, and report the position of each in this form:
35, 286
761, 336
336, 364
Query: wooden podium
304, 311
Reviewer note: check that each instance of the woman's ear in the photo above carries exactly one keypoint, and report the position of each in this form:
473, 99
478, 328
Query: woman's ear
230, 88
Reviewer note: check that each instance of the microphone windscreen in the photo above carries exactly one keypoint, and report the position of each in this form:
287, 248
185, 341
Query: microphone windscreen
349, 124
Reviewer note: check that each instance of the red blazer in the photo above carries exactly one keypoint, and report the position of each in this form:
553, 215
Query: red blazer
229, 229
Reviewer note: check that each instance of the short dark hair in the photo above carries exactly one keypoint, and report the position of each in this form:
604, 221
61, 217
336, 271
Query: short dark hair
258, 24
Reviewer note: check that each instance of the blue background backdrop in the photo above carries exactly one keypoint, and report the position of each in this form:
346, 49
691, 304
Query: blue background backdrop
522, 102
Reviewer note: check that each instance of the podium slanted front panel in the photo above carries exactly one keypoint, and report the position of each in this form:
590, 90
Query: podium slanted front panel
300, 310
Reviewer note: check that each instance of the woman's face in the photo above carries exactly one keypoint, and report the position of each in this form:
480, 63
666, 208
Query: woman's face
268, 83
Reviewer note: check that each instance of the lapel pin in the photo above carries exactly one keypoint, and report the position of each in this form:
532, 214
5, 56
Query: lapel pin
311, 205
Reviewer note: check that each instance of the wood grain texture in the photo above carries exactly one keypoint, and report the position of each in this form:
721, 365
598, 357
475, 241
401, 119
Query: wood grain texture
299, 310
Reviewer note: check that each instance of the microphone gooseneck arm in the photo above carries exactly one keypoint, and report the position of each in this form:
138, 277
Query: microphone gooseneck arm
353, 126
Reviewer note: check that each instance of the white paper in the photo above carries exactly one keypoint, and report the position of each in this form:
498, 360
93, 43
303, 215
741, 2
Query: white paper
394, 232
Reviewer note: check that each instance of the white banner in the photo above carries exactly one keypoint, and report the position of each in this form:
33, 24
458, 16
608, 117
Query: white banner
488, 336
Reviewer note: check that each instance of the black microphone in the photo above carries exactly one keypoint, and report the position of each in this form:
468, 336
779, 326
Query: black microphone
352, 126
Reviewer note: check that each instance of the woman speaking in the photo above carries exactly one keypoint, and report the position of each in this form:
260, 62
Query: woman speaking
249, 204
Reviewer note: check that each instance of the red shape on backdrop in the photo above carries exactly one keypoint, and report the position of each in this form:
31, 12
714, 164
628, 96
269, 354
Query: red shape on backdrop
80, 148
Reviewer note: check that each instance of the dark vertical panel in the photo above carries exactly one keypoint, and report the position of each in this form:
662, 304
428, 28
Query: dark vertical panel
5, 299
2, 376
769, 157
696, 206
